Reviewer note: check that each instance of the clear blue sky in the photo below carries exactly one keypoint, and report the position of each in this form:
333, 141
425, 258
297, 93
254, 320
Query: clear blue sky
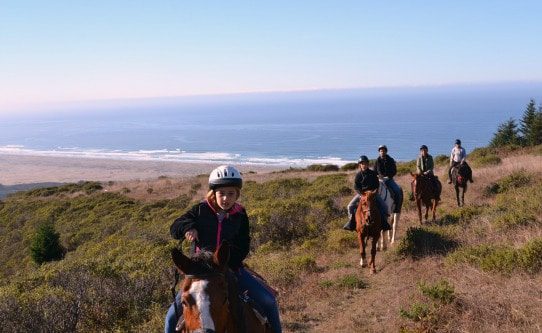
68, 50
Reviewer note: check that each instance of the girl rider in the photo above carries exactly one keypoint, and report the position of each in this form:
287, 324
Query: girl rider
217, 218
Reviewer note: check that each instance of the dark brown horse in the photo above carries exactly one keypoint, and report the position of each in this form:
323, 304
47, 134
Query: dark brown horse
368, 224
426, 191
460, 175
206, 295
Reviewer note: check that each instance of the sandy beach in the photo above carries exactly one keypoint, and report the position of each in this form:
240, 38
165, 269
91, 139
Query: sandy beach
26, 169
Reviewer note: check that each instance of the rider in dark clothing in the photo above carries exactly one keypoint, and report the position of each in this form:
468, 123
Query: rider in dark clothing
366, 180
385, 168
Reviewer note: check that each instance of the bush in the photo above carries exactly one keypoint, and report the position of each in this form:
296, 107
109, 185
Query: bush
349, 167
481, 157
514, 180
417, 312
45, 244
323, 167
339, 240
404, 168
441, 291
351, 281
502, 259
442, 160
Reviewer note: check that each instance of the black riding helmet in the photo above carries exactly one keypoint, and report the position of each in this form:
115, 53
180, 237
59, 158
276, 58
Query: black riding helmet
457, 142
362, 159
423, 147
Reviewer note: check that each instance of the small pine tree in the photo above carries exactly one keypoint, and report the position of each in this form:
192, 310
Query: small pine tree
528, 123
45, 244
537, 127
507, 134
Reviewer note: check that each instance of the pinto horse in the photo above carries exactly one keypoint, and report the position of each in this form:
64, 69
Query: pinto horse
206, 295
385, 193
368, 224
460, 175
425, 192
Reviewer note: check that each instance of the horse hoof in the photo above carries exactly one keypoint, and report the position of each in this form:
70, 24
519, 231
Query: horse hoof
373, 271
362, 263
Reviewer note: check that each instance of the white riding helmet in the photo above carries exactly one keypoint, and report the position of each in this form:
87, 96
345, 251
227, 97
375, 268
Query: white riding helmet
225, 175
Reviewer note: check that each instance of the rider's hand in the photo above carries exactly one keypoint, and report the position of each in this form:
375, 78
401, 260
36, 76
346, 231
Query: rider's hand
191, 235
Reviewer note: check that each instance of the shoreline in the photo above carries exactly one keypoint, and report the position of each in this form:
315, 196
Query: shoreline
29, 169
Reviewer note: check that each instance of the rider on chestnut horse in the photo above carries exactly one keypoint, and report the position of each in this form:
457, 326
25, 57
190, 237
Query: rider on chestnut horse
425, 165
366, 180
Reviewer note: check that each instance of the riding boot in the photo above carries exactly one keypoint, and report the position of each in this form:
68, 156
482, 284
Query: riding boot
350, 225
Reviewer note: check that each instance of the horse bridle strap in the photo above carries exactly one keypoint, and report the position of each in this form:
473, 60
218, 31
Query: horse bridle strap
203, 276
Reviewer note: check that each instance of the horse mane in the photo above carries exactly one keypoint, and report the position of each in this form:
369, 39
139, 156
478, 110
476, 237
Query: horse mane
204, 262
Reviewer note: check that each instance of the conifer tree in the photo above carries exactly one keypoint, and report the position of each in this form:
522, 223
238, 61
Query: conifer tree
528, 124
45, 244
507, 134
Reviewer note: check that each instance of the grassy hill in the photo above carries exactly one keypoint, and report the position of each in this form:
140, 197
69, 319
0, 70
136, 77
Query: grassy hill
477, 268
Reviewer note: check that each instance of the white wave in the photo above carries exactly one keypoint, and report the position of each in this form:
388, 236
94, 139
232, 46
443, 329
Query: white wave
176, 155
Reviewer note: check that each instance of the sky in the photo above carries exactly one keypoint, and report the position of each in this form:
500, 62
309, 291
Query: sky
75, 50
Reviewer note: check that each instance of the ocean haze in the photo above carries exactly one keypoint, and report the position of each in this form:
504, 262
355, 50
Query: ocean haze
297, 128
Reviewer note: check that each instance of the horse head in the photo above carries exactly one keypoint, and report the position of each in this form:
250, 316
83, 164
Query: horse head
204, 290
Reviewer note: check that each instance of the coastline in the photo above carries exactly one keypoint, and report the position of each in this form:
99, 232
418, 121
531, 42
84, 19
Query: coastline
29, 169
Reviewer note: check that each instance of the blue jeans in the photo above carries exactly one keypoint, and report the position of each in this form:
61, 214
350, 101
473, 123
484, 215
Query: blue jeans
171, 320
398, 193
261, 296
256, 291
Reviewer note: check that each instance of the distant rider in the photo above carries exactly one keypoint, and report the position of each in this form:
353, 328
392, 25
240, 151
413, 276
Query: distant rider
366, 180
425, 165
457, 158
386, 169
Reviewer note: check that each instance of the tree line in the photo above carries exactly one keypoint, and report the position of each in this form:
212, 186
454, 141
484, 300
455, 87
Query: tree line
528, 132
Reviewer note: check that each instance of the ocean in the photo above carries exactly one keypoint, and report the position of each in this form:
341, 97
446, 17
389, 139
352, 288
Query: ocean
283, 129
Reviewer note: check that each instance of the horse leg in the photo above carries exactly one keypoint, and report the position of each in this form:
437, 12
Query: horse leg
457, 195
419, 204
362, 243
463, 195
394, 227
383, 240
374, 242
426, 212
434, 209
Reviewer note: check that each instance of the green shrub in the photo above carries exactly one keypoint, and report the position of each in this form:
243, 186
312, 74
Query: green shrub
502, 259
349, 166
323, 167
417, 312
404, 168
45, 244
514, 180
441, 291
461, 215
351, 281
305, 263
441, 160
338, 240
481, 157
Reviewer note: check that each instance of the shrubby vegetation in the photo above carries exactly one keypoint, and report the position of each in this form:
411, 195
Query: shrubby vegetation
501, 258
423, 241
481, 157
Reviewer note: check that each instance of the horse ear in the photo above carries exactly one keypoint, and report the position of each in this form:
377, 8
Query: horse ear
183, 263
222, 255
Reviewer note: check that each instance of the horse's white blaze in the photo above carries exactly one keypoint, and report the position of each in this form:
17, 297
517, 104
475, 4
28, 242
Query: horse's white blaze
198, 293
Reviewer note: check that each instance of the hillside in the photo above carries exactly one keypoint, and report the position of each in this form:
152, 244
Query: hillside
476, 269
